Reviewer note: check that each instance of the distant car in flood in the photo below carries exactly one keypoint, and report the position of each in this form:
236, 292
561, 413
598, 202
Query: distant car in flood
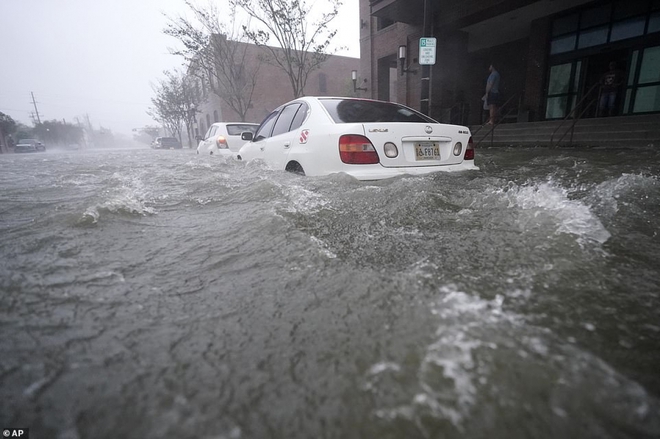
29, 145
166, 143
364, 138
224, 138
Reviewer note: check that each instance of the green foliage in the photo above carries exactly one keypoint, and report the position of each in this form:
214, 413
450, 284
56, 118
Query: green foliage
56, 132
7, 124
23, 132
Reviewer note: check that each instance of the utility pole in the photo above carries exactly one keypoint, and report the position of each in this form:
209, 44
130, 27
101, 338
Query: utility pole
35, 108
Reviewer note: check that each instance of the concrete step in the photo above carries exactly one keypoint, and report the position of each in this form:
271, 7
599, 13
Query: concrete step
628, 130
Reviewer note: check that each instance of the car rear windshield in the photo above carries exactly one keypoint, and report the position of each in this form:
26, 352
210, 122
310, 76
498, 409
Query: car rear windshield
169, 141
236, 130
27, 141
365, 111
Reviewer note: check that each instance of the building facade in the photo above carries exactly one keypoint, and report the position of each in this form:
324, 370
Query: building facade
551, 55
273, 88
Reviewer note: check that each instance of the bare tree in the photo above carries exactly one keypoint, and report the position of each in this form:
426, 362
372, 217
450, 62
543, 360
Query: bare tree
216, 55
175, 103
303, 42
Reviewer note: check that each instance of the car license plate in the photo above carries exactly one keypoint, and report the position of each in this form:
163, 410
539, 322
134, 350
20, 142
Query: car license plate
427, 151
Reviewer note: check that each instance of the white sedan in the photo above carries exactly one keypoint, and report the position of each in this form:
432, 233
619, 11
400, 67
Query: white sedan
224, 138
367, 139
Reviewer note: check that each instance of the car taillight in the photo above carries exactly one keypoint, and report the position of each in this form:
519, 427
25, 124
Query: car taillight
357, 150
222, 142
469, 152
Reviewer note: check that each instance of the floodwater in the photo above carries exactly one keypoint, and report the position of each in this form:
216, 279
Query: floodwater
153, 294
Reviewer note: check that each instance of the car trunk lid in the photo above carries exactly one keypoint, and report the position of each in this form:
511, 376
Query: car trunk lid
418, 144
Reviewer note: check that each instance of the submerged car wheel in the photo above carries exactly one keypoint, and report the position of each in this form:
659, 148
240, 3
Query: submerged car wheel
295, 168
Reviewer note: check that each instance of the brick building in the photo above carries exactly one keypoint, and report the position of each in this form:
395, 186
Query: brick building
550, 54
273, 88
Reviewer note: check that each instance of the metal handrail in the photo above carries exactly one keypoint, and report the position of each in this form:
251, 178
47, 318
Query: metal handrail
571, 115
495, 125
449, 110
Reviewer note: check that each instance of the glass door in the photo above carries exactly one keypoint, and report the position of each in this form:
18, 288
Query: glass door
643, 85
563, 83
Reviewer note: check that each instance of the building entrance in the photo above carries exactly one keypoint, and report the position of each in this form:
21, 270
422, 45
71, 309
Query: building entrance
596, 66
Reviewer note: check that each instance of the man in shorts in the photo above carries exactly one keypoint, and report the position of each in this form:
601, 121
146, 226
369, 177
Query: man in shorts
492, 96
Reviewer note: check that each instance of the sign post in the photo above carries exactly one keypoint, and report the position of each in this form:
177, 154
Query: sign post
427, 51
426, 60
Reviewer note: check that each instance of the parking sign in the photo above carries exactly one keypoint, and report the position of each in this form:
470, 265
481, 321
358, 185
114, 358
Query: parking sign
427, 51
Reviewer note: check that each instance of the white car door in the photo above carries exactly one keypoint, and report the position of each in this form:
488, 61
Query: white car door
255, 149
278, 145
209, 138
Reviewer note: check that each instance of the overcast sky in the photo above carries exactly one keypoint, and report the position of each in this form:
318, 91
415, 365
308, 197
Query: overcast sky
98, 57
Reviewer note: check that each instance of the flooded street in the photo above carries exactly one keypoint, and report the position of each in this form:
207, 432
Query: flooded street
157, 293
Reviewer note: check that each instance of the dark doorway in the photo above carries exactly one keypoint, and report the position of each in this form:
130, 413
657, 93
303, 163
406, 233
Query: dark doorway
597, 65
387, 77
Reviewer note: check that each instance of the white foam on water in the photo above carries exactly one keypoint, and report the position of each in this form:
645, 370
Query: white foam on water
129, 196
475, 341
302, 200
449, 374
539, 202
323, 247
611, 194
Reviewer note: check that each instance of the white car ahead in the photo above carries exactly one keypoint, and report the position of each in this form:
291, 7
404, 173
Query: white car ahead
367, 139
224, 138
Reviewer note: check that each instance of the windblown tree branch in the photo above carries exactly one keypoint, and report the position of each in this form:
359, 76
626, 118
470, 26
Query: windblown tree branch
216, 55
302, 44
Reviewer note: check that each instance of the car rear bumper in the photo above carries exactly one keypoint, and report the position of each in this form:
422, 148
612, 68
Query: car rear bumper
24, 149
377, 172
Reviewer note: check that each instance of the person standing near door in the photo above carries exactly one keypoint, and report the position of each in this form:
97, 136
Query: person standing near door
610, 83
492, 97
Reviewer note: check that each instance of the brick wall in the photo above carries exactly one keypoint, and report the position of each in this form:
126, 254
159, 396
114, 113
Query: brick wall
273, 87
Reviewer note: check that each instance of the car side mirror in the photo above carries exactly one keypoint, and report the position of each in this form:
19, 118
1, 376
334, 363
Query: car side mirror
247, 136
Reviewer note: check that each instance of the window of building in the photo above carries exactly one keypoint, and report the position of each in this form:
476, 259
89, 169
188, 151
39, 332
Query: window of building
208, 120
650, 69
382, 23
654, 23
630, 28
215, 116
562, 89
605, 23
563, 44
323, 83
643, 91
593, 37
